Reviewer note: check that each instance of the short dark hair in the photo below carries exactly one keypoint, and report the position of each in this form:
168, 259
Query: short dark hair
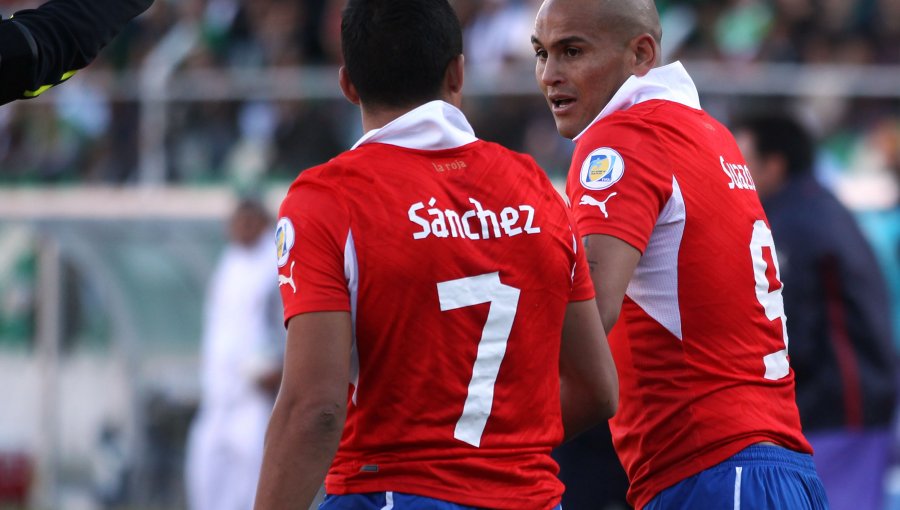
782, 135
396, 52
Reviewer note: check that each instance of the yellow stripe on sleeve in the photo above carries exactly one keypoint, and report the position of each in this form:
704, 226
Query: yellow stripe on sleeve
45, 88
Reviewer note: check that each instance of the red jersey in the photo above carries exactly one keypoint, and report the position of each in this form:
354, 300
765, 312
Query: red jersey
700, 344
457, 259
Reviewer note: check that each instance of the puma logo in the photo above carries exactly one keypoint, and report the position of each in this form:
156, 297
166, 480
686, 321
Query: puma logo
589, 200
288, 280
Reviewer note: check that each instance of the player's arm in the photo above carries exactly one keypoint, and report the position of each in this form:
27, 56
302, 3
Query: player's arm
588, 382
612, 262
42, 47
309, 414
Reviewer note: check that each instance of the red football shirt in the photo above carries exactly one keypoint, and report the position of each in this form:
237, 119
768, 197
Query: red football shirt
457, 265
700, 344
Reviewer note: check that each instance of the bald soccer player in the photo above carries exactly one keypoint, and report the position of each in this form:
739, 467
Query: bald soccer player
684, 268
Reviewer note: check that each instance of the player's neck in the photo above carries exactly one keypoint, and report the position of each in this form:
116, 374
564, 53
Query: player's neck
376, 118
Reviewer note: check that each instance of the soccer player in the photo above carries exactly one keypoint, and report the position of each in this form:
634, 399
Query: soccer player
684, 268
42, 47
442, 278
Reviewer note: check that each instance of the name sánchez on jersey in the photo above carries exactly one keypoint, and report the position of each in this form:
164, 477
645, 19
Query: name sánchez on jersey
477, 223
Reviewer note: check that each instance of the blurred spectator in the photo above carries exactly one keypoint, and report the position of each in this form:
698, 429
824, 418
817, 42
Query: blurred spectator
240, 367
499, 33
839, 321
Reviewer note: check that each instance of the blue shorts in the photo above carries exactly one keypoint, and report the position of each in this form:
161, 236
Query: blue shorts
759, 477
390, 501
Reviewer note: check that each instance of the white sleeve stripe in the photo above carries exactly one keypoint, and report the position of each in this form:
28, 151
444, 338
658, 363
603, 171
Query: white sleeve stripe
654, 286
351, 273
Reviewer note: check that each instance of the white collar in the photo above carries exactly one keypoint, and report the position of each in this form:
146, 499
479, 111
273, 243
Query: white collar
433, 126
670, 82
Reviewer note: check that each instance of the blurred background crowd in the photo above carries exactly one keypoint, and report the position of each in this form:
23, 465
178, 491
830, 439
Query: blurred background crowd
200, 101
200, 91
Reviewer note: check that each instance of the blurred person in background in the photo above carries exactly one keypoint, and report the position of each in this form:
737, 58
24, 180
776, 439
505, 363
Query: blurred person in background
42, 47
436, 353
240, 367
840, 318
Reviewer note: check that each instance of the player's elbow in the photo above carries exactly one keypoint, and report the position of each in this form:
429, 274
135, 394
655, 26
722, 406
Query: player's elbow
325, 421
313, 420
587, 402
606, 395
610, 403
605, 389
589, 382
609, 314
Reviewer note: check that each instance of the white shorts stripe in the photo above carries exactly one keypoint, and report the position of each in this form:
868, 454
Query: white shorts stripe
389, 499
737, 488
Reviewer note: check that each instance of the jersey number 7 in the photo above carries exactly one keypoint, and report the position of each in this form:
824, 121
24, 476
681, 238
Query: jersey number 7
504, 300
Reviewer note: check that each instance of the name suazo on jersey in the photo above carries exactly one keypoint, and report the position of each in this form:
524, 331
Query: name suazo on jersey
510, 221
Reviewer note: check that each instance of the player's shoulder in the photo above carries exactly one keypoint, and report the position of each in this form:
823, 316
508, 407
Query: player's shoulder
642, 134
625, 129
506, 152
526, 169
523, 164
640, 120
320, 182
328, 173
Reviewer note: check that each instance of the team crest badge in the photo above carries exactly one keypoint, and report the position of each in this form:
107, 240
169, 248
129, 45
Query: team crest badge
601, 169
284, 240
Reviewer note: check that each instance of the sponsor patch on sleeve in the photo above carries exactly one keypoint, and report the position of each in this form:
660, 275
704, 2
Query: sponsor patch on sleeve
601, 169
284, 240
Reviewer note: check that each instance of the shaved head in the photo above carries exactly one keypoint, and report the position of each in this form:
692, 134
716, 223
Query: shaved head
636, 16
629, 18
586, 49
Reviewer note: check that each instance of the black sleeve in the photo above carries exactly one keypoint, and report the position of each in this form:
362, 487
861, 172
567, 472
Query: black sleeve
41, 47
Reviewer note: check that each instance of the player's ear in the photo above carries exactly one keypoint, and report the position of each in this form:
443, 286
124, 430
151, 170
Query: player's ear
646, 53
454, 77
347, 86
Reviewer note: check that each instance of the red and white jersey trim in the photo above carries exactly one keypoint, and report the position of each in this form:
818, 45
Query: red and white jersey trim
434, 126
351, 272
670, 82
654, 286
